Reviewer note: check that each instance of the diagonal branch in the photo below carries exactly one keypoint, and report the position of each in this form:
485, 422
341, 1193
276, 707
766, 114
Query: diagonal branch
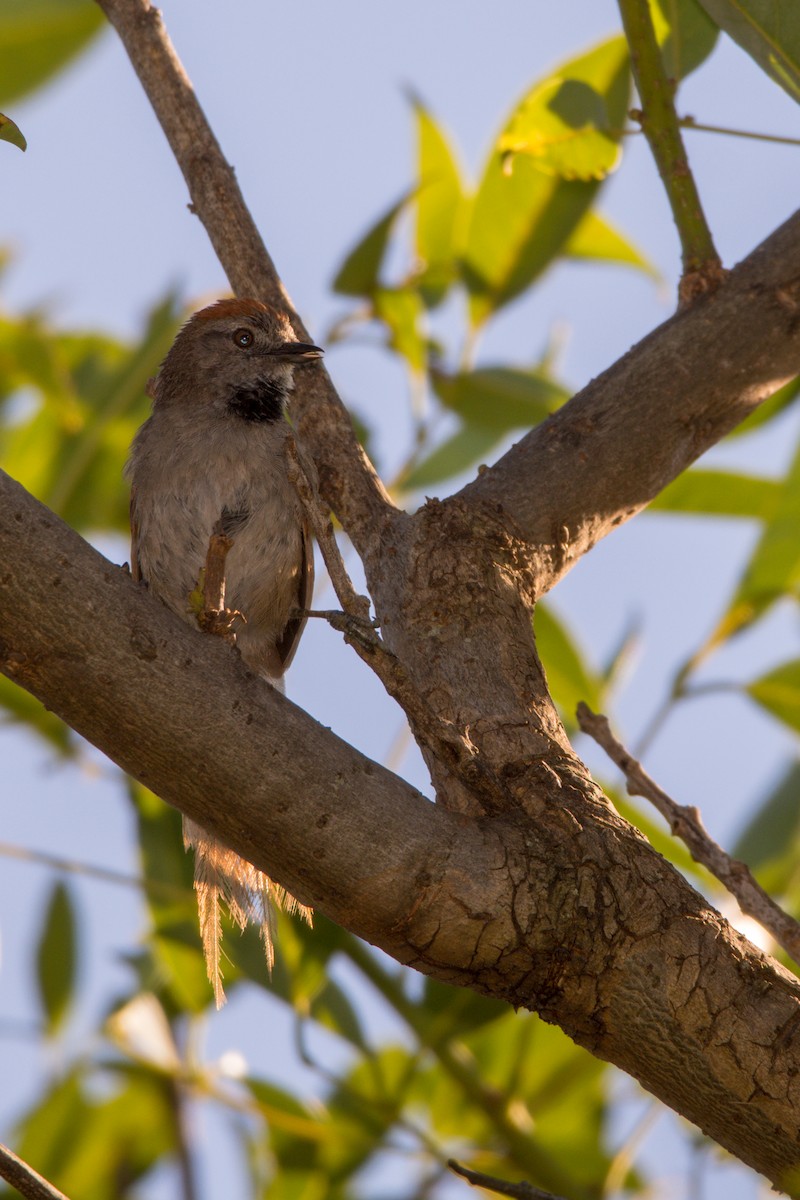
632, 430
686, 823
347, 478
573, 914
24, 1179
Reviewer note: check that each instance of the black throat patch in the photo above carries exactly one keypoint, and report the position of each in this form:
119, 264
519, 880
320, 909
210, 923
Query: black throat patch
259, 401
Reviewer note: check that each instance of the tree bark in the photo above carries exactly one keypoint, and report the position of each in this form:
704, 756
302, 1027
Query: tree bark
522, 881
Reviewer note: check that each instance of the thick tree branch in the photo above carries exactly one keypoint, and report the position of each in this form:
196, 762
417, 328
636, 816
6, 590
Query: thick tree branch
631, 431
571, 914
347, 478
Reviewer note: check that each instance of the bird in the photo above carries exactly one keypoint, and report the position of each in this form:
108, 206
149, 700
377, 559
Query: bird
211, 459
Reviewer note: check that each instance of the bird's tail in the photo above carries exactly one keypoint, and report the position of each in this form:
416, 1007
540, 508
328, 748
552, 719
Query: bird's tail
250, 896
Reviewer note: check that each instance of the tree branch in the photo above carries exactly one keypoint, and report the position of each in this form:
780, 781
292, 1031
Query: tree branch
571, 914
347, 478
687, 824
24, 1179
702, 268
518, 1191
605, 455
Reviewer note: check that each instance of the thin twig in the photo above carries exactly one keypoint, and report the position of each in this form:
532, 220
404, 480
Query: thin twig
302, 475
359, 631
686, 823
28, 1183
702, 267
518, 1191
155, 887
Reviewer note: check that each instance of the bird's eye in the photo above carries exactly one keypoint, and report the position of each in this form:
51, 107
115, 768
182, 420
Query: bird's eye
243, 338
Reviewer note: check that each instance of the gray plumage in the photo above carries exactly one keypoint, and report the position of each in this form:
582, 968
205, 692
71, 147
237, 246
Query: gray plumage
212, 452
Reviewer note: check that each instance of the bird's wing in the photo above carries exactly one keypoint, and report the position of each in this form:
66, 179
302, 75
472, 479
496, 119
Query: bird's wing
136, 567
287, 644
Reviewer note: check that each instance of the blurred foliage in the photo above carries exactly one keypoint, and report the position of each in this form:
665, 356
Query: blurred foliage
463, 1077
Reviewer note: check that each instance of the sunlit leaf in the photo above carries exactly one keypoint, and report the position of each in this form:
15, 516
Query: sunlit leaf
570, 678
500, 398
779, 693
769, 30
439, 208
596, 238
685, 34
39, 37
11, 132
359, 274
720, 494
520, 222
56, 956
564, 127
402, 311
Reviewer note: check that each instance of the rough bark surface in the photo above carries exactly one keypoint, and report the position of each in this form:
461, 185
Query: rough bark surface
521, 881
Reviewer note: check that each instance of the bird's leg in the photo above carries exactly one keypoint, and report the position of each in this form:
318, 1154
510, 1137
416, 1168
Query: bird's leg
208, 599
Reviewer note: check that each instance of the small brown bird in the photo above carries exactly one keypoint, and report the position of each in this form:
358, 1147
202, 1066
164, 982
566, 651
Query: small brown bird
211, 457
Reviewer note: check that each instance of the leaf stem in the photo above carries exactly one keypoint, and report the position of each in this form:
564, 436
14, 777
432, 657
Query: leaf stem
702, 267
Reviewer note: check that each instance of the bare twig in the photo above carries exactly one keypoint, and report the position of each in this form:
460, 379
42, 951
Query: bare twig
360, 632
686, 823
302, 475
28, 1183
155, 887
702, 268
518, 1191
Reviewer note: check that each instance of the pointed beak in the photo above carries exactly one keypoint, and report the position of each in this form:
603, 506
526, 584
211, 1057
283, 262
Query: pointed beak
298, 350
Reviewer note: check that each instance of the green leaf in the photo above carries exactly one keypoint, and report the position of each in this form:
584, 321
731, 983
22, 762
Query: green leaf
720, 494
10, 132
87, 398
779, 693
332, 1009
469, 445
769, 30
500, 398
56, 956
773, 833
774, 567
685, 34
569, 677
359, 274
401, 310
439, 209
39, 37
778, 403
596, 238
563, 126
519, 223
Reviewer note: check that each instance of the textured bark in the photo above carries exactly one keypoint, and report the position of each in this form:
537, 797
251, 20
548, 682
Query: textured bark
522, 881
